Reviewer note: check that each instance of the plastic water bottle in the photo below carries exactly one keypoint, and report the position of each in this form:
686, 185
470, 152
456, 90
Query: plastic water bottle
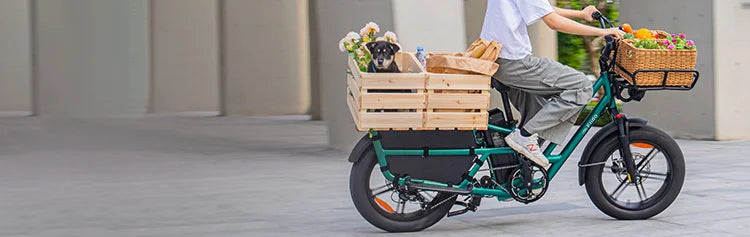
422, 56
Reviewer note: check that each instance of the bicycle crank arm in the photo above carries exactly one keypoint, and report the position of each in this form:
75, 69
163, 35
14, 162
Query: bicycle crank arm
625, 153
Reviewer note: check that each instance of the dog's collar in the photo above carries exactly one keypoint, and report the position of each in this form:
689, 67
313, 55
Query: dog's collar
373, 68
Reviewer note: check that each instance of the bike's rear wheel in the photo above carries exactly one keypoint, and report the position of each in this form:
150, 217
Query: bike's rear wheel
384, 207
662, 172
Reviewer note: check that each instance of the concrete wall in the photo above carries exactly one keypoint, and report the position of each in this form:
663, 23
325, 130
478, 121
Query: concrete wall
15, 62
732, 67
686, 114
438, 25
334, 18
91, 57
184, 56
264, 55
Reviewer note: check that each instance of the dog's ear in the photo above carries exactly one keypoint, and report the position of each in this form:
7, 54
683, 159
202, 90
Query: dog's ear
371, 46
394, 47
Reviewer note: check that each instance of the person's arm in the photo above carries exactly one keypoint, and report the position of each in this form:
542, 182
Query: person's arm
560, 23
584, 14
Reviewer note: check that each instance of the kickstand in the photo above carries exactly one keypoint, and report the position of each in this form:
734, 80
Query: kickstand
468, 206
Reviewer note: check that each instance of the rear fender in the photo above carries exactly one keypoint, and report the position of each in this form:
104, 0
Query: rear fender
599, 137
360, 149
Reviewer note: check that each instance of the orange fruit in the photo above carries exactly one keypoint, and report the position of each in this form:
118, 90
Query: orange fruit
643, 33
627, 28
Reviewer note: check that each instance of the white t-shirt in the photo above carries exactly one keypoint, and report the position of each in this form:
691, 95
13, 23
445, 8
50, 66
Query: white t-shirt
505, 22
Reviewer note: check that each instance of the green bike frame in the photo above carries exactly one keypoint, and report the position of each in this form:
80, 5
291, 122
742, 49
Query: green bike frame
557, 160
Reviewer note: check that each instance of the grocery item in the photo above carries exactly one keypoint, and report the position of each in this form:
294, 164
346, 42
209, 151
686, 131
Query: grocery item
460, 65
477, 48
627, 28
492, 51
421, 56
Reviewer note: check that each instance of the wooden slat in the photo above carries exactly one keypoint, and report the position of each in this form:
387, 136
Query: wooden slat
476, 120
386, 120
393, 100
354, 89
458, 101
353, 68
458, 81
353, 109
393, 80
408, 63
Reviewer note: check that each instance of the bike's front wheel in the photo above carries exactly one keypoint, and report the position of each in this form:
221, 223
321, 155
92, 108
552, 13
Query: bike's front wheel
392, 209
661, 168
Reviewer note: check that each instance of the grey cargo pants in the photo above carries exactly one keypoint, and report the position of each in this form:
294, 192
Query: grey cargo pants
549, 95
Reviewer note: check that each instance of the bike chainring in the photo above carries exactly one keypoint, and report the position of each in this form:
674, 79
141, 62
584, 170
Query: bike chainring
528, 182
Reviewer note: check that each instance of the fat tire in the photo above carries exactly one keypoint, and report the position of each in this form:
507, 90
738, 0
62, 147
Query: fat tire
360, 192
666, 144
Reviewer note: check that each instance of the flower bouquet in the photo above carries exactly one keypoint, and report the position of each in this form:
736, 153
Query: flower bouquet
354, 44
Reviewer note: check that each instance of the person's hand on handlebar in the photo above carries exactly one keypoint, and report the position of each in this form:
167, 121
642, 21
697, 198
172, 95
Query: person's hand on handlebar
588, 12
616, 32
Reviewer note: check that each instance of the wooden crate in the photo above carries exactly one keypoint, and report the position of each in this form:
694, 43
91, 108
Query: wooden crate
415, 99
457, 101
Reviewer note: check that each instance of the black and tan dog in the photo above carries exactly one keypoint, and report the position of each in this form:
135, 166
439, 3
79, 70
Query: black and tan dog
382, 53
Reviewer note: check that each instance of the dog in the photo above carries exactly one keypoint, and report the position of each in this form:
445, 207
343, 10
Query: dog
382, 53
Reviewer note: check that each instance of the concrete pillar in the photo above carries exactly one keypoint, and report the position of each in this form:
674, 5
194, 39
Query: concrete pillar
184, 56
438, 25
732, 66
15, 52
686, 114
265, 57
333, 19
91, 57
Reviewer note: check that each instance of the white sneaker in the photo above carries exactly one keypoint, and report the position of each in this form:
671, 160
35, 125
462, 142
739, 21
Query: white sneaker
528, 146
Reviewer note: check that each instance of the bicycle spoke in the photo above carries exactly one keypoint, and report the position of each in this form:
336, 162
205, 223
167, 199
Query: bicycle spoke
653, 173
618, 191
383, 191
403, 206
641, 190
647, 160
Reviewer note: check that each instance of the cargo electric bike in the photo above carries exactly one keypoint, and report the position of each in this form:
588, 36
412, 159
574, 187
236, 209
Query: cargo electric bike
630, 169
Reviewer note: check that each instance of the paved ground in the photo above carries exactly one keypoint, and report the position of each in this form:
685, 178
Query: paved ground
238, 176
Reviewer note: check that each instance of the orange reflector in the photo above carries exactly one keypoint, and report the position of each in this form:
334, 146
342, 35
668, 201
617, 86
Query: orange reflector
642, 145
384, 205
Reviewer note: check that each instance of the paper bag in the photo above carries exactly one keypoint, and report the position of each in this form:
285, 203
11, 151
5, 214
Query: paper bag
460, 65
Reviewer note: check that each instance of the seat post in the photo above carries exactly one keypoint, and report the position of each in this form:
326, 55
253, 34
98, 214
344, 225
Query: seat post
503, 90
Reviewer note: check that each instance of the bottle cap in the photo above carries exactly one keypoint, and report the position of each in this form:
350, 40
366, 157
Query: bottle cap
420, 48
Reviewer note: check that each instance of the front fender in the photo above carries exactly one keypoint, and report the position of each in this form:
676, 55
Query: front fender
359, 149
601, 135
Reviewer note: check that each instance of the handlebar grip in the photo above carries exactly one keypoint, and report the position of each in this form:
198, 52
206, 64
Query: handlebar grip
609, 38
596, 16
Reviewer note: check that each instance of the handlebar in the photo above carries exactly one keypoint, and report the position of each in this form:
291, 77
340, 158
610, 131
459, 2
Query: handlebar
603, 21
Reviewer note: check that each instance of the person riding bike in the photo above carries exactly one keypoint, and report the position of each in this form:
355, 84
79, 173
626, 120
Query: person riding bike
549, 95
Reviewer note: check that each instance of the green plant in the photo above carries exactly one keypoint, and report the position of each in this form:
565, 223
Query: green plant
582, 52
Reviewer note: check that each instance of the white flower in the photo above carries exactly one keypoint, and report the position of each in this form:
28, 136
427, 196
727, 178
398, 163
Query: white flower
380, 39
342, 44
390, 37
370, 28
352, 36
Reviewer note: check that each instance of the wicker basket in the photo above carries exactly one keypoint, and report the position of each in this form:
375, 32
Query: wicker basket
632, 59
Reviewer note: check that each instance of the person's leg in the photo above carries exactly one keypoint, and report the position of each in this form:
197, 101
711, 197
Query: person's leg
555, 120
567, 89
527, 104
